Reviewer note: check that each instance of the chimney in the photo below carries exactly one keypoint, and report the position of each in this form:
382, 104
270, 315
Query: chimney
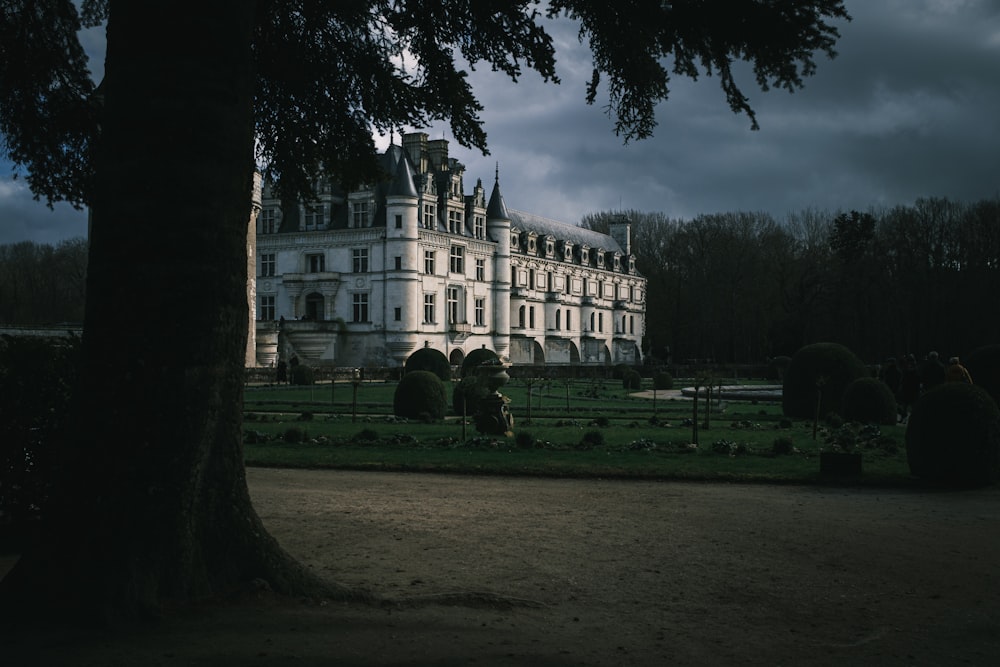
415, 144
438, 152
621, 231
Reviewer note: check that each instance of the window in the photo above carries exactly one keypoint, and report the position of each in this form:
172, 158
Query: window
313, 218
592, 321
479, 227
429, 214
429, 262
600, 321
266, 308
531, 279
480, 269
397, 314
267, 264
457, 259
268, 221
316, 263
520, 317
359, 260
359, 306
569, 326
453, 303
397, 262
360, 214
631, 324
399, 222
455, 222
428, 308
558, 320
480, 312
531, 317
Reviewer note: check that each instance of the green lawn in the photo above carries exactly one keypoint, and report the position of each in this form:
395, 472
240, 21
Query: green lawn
583, 429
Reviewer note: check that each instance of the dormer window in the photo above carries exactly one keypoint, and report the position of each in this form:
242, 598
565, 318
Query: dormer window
514, 242
359, 214
531, 244
567, 251
631, 264
600, 258
550, 246
585, 255
618, 261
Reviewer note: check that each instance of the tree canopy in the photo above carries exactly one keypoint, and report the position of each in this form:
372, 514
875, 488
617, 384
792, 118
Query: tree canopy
329, 74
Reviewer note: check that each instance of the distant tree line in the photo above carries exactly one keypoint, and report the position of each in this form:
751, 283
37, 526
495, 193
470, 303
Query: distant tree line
743, 287
42, 283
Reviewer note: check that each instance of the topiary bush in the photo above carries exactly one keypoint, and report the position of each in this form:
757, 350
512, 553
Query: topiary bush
302, 375
430, 360
631, 379
870, 401
476, 358
663, 380
420, 395
953, 436
836, 365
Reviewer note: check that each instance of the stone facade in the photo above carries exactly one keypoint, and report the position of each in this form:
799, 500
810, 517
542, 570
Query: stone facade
364, 278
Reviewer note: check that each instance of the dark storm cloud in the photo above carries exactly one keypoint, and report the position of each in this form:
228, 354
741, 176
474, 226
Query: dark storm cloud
24, 219
910, 108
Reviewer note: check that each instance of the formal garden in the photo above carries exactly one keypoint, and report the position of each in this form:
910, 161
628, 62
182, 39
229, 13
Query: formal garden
828, 421
832, 423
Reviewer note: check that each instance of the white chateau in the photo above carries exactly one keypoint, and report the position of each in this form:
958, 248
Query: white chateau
364, 278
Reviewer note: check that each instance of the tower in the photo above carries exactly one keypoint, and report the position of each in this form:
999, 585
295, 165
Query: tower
498, 229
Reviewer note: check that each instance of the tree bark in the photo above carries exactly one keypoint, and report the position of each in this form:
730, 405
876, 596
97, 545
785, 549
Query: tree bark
151, 507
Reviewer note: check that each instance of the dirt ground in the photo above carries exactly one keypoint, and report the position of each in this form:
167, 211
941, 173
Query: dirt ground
510, 571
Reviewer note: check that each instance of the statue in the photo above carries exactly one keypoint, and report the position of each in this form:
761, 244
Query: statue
492, 416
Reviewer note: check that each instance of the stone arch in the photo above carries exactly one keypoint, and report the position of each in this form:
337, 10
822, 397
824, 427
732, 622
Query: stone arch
456, 357
574, 353
538, 354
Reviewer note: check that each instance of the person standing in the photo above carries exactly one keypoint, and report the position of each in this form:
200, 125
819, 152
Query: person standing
931, 372
909, 386
956, 372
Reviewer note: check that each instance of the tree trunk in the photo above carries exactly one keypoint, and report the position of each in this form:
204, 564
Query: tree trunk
152, 506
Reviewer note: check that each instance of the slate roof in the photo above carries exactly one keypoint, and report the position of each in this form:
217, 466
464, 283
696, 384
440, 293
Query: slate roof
562, 231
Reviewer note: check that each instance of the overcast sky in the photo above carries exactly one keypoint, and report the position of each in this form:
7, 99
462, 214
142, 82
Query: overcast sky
910, 108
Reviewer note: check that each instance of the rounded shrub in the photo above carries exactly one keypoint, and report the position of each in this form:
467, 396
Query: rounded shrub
953, 436
663, 380
420, 395
476, 358
631, 379
870, 401
302, 374
830, 363
430, 360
